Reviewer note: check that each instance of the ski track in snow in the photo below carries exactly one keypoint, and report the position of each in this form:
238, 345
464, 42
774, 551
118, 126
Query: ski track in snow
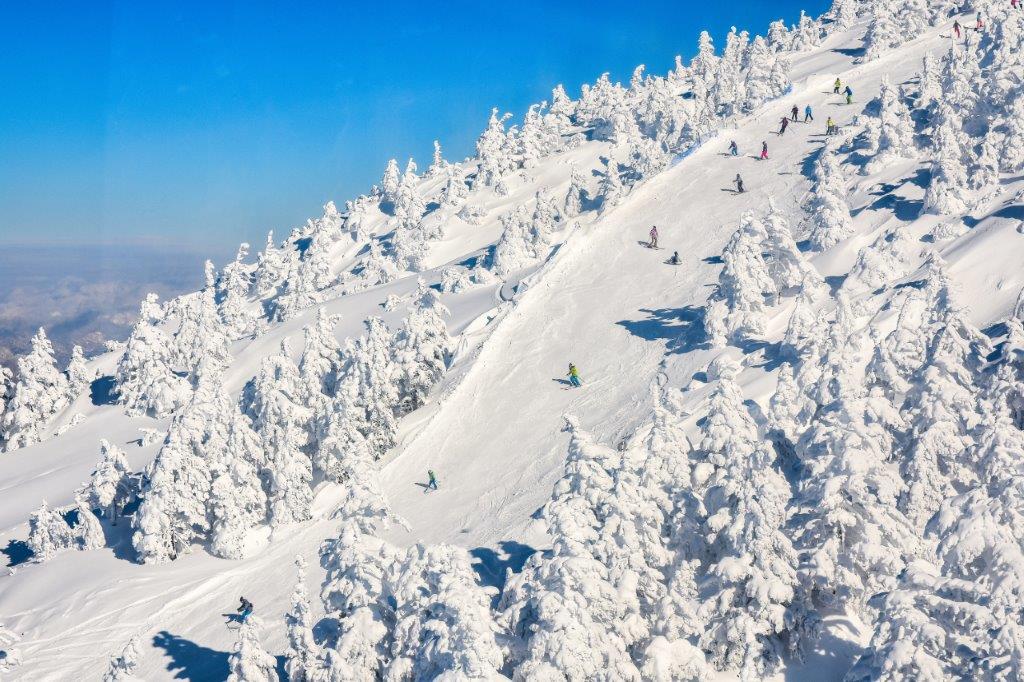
493, 432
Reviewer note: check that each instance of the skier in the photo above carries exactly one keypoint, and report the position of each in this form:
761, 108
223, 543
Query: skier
574, 375
739, 184
653, 244
244, 609
830, 126
785, 124
764, 151
849, 95
734, 148
808, 114
674, 260
956, 28
838, 87
432, 482
795, 112
980, 25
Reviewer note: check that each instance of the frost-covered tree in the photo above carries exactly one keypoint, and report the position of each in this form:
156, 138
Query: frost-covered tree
492, 149
947, 190
828, 213
929, 89
321, 361
409, 206
443, 626
576, 193
371, 374
751, 576
806, 35
455, 280
884, 32
1012, 157
611, 189
233, 289
786, 264
895, 132
273, 402
537, 139
48, 533
736, 311
421, 348
6, 390
303, 652
881, 262
438, 165
122, 666
390, 180
514, 251
309, 276
570, 620
455, 189
843, 13
238, 501
250, 662
41, 392
272, 265
201, 337
108, 486
79, 374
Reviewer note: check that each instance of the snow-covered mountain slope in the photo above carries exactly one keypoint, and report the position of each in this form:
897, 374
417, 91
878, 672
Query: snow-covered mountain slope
493, 429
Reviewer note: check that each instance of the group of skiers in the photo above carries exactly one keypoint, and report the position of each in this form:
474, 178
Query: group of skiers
979, 24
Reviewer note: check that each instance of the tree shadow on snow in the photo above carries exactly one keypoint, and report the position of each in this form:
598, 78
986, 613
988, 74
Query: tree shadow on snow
713, 260
849, 52
682, 328
904, 209
1014, 212
492, 567
102, 391
17, 552
190, 661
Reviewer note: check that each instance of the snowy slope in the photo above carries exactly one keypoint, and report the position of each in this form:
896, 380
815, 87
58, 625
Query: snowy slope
493, 429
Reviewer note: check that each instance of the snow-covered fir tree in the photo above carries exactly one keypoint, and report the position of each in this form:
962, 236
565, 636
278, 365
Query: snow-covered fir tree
48, 533
421, 348
884, 31
828, 213
303, 653
41, 392
786, 264
79, 374
272, 265
201, 337
371, 374
233, 288
108, 486
611, 189
895, 132
947, 190
736, 311
390, 181
438, 165
250, 662
492, 148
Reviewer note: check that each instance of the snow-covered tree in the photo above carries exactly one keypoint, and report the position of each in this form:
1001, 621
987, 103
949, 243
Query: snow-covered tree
828, 213
929, 89
492, 148
611, 189
41, 392
843, 13
238, 501
881, 262
79, 374
455, 189
48, 533
946, 192
884, 31
421, 348
736, 311
108, 486
303, 652
272, 265
321, 361
201, 337
390, 180
233, 288
443, 626
514, 250
895, 132
1012, 157
576, 194
250, 662
438, 165
122, 666
273, 402
751, 576
786, 265
806, 35
371, 374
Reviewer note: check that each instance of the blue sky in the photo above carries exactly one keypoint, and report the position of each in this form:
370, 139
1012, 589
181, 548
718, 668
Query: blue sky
200, 124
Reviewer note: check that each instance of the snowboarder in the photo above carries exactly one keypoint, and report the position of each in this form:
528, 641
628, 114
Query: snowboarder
849, 95
244, 609
653, 244
838, 86
574, 375
785, 124
956, 28
764, 151
674, 260
795, 113
734, 148
808, 114
432, 482
739, 184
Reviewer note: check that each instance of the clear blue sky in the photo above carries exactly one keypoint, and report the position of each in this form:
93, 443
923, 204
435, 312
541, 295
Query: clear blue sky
205, 123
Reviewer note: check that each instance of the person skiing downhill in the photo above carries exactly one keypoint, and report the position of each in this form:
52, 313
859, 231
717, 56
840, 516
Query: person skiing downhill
808, 114
653, 244
739, 184
785, 124
795, 113
244, 609
764, 151
838, 86
574, 375
956, 28
734, 148
432, 480
849, 95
